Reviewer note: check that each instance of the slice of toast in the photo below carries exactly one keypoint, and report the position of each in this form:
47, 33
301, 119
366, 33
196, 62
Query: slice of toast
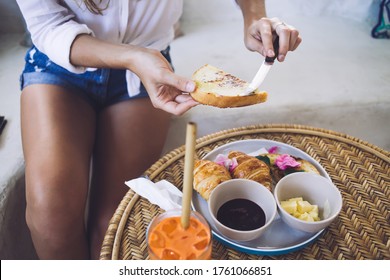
218, 88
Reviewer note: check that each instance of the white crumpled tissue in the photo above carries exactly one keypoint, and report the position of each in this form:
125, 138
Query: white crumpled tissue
163, 193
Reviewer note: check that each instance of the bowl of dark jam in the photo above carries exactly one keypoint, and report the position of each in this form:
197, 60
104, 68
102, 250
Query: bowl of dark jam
242, 209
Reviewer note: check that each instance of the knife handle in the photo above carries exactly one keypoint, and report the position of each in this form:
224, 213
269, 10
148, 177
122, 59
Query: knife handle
276, 50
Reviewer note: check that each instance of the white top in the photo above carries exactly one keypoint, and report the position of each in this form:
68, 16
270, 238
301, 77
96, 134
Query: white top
54, 25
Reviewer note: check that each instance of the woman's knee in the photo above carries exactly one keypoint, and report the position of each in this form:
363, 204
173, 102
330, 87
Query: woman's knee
50, 215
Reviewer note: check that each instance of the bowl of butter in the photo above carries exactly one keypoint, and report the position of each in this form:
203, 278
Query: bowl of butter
307, 202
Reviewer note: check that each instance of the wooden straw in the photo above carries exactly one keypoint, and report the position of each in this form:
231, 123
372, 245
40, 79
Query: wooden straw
188, 174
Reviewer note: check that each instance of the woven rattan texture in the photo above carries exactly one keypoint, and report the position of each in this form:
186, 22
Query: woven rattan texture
360, 170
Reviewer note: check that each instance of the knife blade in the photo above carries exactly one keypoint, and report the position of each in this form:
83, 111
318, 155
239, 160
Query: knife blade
263, 71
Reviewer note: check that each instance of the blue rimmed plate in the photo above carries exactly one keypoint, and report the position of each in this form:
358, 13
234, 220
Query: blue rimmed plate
279, 238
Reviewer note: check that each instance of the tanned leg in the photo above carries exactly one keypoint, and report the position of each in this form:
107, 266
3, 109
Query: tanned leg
130, 139
58, 130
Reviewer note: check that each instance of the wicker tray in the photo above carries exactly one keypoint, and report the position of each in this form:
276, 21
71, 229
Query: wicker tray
360, 170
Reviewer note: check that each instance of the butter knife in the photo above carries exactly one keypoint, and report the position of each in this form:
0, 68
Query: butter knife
263, 70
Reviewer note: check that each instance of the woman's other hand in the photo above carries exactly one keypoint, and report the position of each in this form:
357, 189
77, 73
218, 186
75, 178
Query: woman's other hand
259, 37
260, 31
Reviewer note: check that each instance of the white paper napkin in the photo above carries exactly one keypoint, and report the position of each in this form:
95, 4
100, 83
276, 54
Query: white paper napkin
162, 193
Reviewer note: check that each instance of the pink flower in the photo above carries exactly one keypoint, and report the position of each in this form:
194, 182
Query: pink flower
285, 161
233, 164
273, 150
221, 159
228, 163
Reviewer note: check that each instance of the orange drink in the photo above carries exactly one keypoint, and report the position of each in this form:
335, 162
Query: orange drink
168, 240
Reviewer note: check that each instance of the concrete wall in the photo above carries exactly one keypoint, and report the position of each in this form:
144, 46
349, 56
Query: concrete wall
359, 10
205, 10
10, 17
15, 241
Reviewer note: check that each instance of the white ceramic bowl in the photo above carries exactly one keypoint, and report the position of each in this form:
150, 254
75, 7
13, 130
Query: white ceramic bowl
316, 190
244, 189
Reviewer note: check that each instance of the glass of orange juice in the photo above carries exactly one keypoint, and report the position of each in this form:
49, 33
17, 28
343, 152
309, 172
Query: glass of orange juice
168, 240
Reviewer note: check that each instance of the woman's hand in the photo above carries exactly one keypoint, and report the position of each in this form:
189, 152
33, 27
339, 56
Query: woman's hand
260, 31
259, 37
167, 90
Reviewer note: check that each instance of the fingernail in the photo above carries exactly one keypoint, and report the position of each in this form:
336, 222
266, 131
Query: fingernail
270, 53
190, 86
281, 57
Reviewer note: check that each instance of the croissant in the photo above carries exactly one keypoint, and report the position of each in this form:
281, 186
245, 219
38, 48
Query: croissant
251, 168
208, 175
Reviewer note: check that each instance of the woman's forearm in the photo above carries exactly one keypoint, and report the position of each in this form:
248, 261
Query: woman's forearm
87, 51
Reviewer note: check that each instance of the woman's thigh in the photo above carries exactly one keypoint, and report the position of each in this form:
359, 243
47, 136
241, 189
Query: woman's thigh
130, 137
58, 132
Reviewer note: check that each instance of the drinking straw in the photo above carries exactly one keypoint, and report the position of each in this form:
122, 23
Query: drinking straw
188, 174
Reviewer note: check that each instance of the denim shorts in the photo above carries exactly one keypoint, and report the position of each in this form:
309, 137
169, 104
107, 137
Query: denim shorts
100, 88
